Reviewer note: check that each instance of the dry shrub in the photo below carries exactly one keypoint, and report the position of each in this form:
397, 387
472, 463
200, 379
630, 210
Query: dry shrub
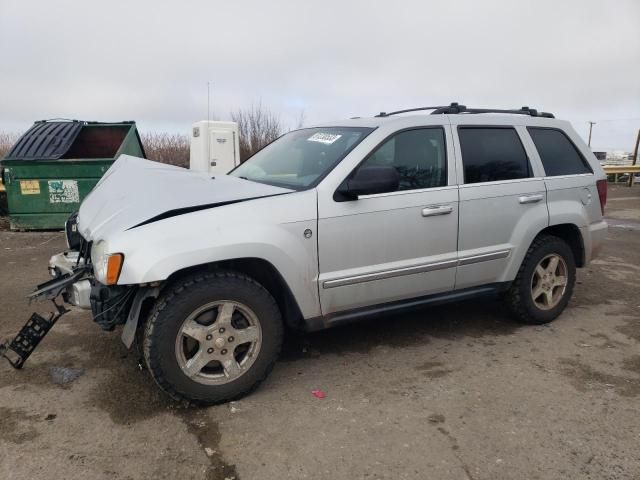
257, 127
171, 148
7, 139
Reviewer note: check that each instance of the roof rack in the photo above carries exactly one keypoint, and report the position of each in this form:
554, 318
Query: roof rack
456, 108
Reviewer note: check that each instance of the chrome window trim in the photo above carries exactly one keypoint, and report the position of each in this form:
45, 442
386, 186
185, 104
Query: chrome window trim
570, 175
501, 182
408, 192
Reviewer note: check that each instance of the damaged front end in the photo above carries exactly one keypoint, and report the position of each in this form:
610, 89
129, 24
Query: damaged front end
64, 284
109, 305
74, 283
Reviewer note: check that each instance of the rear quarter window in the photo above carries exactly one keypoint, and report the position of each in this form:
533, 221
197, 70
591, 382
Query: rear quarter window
558, 154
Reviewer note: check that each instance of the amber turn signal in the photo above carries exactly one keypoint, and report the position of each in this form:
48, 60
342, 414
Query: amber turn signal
114, 265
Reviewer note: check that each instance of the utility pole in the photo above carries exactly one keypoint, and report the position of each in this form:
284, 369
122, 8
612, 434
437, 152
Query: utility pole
591, 124
635, 158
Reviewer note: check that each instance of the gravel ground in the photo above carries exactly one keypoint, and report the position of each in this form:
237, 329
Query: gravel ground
453, 392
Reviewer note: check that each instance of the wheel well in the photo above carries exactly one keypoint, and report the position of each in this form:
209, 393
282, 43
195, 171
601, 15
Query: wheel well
570, 234
262, 272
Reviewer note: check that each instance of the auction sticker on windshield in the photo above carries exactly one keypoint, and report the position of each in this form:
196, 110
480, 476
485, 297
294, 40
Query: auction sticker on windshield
326, 138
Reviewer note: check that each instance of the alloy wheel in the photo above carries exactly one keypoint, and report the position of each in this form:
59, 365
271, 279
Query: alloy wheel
218, 342
549, 281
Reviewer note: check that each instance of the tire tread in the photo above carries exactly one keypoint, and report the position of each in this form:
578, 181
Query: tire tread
173, 294
514, 297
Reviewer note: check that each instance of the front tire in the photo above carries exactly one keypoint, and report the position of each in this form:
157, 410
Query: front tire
212, 338
544, 283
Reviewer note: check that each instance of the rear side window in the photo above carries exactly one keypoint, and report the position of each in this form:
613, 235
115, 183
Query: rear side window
558, 154
490, 154
418, 155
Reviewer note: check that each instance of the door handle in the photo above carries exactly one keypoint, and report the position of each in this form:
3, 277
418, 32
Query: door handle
437, 210
530, 198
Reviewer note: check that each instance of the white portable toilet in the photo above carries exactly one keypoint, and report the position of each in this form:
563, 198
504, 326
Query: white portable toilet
215, 147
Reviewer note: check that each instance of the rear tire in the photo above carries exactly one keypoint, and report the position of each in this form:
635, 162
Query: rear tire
212, 338
544, 284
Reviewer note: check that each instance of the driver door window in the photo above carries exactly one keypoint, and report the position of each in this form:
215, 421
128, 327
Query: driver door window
418, 155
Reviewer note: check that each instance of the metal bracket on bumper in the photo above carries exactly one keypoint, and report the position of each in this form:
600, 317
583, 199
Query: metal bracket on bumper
31, 334
18, 350
54, 288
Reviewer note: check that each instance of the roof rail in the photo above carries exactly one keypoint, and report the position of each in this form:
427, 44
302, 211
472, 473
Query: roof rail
385, 114
456, 108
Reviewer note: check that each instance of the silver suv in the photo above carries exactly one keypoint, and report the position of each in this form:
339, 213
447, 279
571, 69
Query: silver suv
328, 225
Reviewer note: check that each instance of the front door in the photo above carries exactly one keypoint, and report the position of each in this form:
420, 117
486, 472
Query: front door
393, 246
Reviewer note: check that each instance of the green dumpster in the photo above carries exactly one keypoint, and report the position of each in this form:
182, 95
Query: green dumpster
55, 164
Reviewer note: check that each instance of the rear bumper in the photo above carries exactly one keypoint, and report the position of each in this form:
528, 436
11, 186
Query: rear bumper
594, 236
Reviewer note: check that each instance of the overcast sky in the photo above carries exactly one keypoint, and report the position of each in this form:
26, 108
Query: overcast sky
150, 60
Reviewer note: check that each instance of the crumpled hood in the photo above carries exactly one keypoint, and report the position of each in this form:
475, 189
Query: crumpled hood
134, 191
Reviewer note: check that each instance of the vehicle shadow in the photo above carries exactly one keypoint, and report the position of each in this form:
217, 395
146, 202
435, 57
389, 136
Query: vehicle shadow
465, 319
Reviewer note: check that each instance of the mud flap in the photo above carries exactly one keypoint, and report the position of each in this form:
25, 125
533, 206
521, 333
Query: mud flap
18, 350
129, 330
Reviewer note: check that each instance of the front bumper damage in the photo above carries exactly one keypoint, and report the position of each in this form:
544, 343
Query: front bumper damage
77, 293
73, 283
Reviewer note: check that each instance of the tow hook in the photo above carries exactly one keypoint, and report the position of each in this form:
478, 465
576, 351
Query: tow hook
31, 334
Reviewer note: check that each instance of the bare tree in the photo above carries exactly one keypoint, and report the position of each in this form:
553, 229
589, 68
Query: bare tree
171, 148
302, 118
257, 127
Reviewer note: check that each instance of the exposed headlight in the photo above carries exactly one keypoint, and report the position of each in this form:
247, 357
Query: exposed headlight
106, 266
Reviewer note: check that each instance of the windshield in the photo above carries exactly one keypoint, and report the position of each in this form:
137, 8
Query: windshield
301, 158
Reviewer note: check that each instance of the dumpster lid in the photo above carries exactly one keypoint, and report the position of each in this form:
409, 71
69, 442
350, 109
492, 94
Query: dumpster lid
56, 139
45, 140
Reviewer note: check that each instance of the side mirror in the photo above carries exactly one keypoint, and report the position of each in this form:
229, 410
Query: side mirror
369, 180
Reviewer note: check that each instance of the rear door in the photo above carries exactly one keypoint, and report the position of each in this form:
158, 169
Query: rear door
502, 202
398, 245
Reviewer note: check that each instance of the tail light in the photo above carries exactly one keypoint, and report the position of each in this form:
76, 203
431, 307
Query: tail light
602, 193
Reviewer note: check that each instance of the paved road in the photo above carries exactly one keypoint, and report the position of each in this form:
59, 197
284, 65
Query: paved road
455, 392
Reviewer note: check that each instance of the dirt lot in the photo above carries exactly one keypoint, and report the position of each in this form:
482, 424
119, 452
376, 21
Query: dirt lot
456, 392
